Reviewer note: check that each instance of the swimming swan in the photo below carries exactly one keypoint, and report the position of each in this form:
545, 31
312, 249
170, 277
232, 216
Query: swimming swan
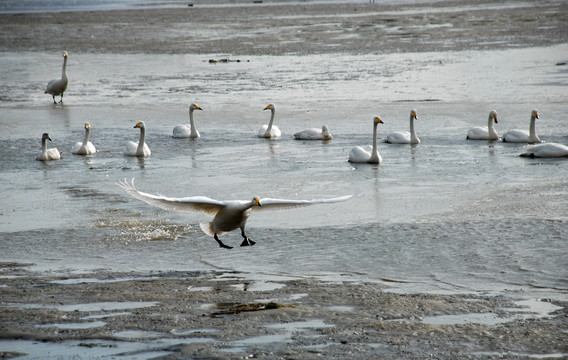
367, 154
184, 131
404, 137
140, 148
314, 134
481, 133
85, 147
47, 154
228, 215
58, 86
546, 150
521, 136
269, 131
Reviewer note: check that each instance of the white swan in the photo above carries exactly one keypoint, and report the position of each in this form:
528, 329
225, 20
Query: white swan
269, 131
47, 154
546, 150
228, 215
368, 154
189, 131
58, 86
140, 148
481, 133
85, 147
314, 134
404, 137
521, 136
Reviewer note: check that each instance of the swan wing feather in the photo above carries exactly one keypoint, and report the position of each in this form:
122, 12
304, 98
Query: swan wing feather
273, 204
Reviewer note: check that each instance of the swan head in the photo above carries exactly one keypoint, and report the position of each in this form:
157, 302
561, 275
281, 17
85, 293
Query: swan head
377, 120
194, 107
493, 116
45, 136
256, 201
326, 133
87, 126
65, 54
535, 114
140, 125
413, 114
269, 107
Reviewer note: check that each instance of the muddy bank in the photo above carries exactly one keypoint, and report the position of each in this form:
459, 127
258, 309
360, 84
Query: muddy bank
310, 28
233, 315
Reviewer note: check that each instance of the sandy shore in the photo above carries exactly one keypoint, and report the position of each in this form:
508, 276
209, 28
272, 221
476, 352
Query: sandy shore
228, 315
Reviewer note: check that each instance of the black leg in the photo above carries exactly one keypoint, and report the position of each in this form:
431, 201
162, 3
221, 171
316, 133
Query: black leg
61, 100
246, 241
54, 101
221, 243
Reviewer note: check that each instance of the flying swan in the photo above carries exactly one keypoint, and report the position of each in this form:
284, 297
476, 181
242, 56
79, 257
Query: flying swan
481, 133
47, 154
404, 137
521, 136
188, 131
546, 150
269, 131
58, 86
314, 134
367, 154
228, 215
85, 147
140, 148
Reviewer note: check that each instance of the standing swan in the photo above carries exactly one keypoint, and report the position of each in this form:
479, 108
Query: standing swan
269, 131
86, 147
521, 136
140, 148
368, 154
228, 215
58, 86
481, 133
47, 154
314, 134
184, 131
404, 137
546, 150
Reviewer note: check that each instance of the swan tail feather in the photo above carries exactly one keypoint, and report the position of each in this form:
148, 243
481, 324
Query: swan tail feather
207, 227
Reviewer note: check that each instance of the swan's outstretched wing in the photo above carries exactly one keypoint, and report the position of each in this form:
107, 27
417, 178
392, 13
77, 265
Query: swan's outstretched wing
273, 204
193, 203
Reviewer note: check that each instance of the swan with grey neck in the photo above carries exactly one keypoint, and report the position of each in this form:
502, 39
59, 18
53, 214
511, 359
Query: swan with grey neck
521, 136
188, 131
404, 137
140, 148
47, 154
481, 133
58, 86
85, 147
368, 154
269, 131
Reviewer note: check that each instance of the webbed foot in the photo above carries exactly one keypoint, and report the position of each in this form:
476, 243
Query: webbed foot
247, 242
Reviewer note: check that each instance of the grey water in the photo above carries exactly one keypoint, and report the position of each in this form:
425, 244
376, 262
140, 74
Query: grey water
447, 215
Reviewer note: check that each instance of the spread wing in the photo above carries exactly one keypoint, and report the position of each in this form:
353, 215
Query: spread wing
273, 204
193, 203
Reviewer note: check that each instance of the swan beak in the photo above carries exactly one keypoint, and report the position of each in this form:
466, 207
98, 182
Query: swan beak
65, 54
137, 125
197, 107
257, 202
267, 107
536, 115
87, 126
48, 138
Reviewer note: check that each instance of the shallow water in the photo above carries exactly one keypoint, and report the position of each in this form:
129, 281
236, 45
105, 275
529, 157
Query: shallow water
447, 215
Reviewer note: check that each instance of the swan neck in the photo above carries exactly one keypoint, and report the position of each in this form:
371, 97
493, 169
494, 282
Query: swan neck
64, 69
142, 139
269, 128
375, 151
532, 130
192, 123
44, 145
87, 134
412, 132
491, 127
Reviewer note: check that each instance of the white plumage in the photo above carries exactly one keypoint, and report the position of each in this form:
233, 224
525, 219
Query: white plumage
47, 154
404, 137
546, 150
58, 86
85, 147
314, 134
270, 130
367, 154
522, 136
140, 148
188, 131
481, 133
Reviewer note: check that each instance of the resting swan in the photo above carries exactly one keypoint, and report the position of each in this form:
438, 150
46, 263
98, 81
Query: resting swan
314, 134
521, 136
140, 148
184, 131
58, 86
404, 137
481, 133
368, 154
269, 131
228, 215
546, 150
85, 147
47, 154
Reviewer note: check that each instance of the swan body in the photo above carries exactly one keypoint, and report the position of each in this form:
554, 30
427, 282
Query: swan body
404, 137
269, 131
546, 150
47, 154
85, 147
367, 154
140, 148
481, 133
228, 215
521, 136
188, 131
58, 86
314, 134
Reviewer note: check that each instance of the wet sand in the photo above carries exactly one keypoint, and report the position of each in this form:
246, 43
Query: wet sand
222, 314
